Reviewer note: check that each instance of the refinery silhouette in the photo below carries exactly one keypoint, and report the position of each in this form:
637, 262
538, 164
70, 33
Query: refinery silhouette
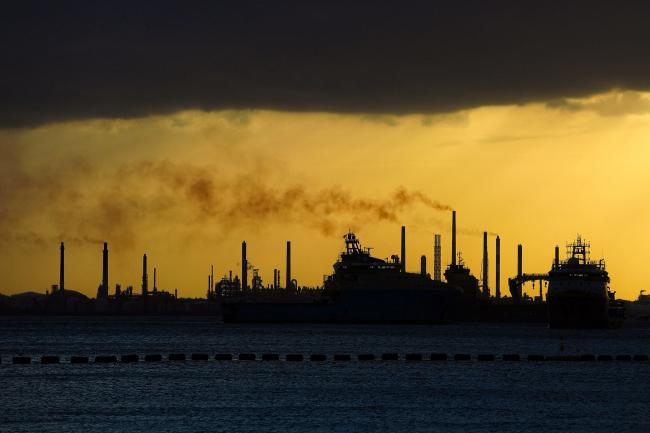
363, 289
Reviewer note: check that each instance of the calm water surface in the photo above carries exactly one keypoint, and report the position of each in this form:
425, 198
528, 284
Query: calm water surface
313, 396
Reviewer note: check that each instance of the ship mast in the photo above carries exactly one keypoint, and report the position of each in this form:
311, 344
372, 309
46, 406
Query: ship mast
579, 250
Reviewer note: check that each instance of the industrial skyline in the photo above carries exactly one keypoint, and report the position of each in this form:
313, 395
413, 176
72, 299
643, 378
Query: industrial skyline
435, 272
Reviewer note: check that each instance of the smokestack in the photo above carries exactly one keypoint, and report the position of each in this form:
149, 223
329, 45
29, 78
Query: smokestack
209, 284
211, 278
403, 256
486, 280
61, 270
105, 269
155, 288
288, 265
244, 267
517, 296
145, 280
437, 262
453, 238
497, 283
557, 256
423, 265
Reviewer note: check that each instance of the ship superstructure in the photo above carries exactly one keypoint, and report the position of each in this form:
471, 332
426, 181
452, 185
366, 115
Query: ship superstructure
362, 289
578, 290
356, 269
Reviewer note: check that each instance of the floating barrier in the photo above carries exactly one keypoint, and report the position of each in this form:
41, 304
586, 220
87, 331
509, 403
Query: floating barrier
153, 358
200, 357
247, 357
511, 357
176, 357
565, 358
485, 357
318, 357
132, 357
105, 359
223, 357
389, 357
49, 359
270, 357
294, 357
413, 357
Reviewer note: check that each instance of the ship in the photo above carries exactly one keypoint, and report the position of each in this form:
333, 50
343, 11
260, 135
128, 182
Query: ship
578, 291
362, 289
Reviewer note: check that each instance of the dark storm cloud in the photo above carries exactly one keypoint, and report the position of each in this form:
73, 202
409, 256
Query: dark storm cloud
68, 60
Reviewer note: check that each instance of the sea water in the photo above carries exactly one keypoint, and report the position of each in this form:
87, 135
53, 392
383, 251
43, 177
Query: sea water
261, 396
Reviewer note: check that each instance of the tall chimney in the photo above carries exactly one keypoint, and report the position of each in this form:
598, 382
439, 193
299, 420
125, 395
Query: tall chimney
486, 280
557, 256
403, 256
155, 287
497, 283
519, 272
145, 280
61, 270
244, 267
211, 278
453, 238
105, 270
423, 265
288, 276
437, 263
209, 284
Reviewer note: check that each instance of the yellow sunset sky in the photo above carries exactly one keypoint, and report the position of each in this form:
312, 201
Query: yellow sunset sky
188, 187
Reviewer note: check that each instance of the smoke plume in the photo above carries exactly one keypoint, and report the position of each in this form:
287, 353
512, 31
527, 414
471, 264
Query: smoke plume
123, 204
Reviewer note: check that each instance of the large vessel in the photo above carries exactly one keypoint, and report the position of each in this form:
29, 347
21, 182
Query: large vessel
578, 290
362, 289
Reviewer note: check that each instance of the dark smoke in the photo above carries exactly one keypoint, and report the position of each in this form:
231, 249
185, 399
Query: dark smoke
135, 198
249, 200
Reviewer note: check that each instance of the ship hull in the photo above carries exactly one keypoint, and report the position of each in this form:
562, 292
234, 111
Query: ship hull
577, 310
354, 306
